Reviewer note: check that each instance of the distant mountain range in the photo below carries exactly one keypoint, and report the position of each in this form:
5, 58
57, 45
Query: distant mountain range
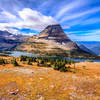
9, 41
52, 41
94, 46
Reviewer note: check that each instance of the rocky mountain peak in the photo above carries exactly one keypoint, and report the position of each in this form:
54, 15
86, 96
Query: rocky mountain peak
52, 29
54, 32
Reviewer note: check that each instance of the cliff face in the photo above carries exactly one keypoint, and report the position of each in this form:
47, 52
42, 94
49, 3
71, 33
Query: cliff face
52, 41
54, 32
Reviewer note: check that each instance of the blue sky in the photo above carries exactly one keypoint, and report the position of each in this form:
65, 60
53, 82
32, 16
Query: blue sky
80, 19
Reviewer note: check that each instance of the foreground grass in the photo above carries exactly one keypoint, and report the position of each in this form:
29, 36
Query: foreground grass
30, 82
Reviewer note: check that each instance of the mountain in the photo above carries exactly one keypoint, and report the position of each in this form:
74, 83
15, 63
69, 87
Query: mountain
94, 46
81, 46
52, 41
96, 49
9, 41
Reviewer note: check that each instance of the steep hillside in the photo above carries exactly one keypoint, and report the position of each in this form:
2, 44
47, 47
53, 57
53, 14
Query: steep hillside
52, 41
81, 46
96, 49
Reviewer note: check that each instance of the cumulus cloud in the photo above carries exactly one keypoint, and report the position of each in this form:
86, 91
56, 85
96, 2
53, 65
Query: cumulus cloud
34, 20
28, 18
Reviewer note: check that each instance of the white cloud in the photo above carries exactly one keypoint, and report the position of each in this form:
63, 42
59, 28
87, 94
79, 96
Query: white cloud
65, 27
67, 8
28, 18
34, 20
78, 15
93, 35
29, 34
75, 37
70, 7
9, 15
15, 32
83, 21
10, 30
90, 21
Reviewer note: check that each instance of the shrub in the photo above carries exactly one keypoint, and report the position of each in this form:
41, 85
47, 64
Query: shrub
29, 62
14, 62
2, 61
42, 61
34, 60
63, 69
23, 58
47, 65
60, 66
55, 66
38, 64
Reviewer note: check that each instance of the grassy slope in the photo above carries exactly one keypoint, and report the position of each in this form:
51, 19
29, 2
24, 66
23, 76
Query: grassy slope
29, 82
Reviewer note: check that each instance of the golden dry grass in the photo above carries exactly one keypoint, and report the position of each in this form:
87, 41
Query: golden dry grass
29, 82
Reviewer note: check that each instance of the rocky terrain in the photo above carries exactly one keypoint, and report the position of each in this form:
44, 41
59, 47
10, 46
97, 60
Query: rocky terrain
10, 41
52, 41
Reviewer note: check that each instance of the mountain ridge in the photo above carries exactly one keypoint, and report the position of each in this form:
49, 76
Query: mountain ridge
8, 41
94, 46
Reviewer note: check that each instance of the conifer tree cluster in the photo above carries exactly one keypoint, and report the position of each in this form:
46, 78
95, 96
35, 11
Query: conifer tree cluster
55, 63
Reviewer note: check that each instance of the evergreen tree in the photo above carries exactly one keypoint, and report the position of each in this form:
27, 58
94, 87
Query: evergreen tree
14, 62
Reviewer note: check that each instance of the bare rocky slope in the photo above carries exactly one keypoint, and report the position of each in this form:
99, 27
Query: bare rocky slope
52, 41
